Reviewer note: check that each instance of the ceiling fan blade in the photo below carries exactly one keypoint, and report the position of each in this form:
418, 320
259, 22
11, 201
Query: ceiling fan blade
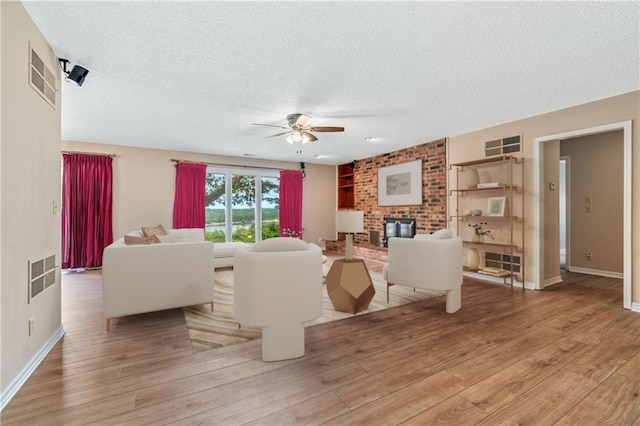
327, 129
277, 134
302, 121
269, 125
310, 136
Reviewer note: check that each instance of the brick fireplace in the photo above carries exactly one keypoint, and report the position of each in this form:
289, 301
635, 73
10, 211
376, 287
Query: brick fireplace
398, 227
430, 216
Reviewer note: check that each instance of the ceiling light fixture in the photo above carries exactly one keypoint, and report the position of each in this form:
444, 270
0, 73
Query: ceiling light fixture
299, 130
369, 138
294, 137
298, 136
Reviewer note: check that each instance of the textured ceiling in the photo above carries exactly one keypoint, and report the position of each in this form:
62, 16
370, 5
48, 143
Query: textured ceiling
193, 76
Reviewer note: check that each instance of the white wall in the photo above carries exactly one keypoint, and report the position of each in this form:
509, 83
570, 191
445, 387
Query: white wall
320, 203
144, 182
30, 185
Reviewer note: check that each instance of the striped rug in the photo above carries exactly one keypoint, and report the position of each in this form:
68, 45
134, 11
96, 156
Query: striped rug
209, 330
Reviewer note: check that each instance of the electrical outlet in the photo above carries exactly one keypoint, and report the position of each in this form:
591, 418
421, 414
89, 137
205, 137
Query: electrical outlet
31, 326
587, 255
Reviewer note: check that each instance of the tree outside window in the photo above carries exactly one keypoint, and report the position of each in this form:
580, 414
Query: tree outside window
241, 205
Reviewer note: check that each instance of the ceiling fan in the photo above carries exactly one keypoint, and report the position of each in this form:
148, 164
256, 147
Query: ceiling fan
299, 130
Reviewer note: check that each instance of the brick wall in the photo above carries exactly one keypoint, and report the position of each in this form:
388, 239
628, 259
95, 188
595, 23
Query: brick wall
430, 216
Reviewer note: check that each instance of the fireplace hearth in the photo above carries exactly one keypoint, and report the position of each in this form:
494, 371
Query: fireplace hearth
398, 227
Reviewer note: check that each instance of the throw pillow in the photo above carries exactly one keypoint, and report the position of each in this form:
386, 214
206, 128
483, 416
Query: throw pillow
133, 240
169, 238
147, 231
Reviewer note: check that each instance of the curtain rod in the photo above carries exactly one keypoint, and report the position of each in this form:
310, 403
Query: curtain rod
101, 154
231, 165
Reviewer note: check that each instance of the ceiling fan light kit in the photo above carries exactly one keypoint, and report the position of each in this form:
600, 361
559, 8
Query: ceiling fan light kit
300, 137
298, 130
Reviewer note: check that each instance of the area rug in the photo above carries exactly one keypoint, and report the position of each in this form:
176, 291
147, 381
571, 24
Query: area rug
209, 330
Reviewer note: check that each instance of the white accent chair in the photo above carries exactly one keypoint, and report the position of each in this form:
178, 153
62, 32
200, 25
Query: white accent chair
430, 262
278, 287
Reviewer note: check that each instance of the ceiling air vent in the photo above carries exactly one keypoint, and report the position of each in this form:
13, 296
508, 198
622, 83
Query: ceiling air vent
503, 146
42, 79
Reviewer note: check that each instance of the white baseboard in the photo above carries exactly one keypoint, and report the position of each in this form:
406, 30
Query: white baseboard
608, 274
497, 280
635, 307
552, 281
21, 378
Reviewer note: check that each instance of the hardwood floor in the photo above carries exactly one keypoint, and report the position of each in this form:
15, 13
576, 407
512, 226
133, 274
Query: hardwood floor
569, 355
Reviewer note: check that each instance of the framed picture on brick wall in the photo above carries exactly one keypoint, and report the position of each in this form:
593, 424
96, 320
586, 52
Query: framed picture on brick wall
400, 185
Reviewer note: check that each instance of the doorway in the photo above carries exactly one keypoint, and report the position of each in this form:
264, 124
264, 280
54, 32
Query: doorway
538, 195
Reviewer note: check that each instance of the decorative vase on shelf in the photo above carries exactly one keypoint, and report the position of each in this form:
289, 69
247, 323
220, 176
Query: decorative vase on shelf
473, 259
471, 178
478, 238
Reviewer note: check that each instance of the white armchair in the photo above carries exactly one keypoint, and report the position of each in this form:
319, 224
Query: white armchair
430, 262
278, 287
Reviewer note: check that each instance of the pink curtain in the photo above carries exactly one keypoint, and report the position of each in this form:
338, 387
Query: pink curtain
188, 204
86, 209
290, 203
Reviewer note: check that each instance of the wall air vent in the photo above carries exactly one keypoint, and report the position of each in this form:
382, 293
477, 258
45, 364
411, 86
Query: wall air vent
502, 261
41, 78
503, 146
42, 275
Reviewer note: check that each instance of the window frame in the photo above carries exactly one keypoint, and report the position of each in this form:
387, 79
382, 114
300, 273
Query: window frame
257, 173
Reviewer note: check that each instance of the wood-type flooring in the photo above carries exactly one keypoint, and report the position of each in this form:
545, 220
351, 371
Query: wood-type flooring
568, 355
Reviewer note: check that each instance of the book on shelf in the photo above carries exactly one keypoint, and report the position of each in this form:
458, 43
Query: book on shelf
491, 185
496, 272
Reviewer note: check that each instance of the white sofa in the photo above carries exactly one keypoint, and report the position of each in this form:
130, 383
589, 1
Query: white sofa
278, 286
430, 262
154, 277
224, 253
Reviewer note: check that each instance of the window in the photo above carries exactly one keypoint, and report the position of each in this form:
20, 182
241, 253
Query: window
270, 219
241, 204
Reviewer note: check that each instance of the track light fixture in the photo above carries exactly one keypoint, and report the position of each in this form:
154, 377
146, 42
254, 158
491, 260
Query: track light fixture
77, 73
